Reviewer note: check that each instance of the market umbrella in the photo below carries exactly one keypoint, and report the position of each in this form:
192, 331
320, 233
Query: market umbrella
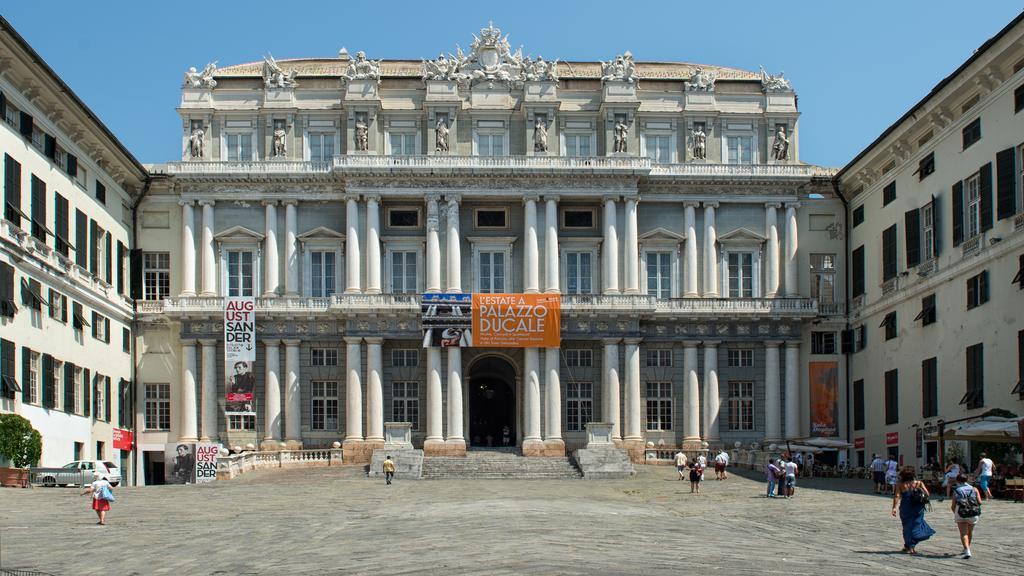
990, 429
827, 442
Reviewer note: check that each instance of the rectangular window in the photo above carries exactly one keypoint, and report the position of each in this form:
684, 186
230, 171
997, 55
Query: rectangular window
403, 218
403, 144
405, 357
579, 405
324, 356
858, 216
892, 392
975, 396
579, 358
126, 340
322, 273
156, 275
977, 290
492, 272
82, 382
858, 405
100, 327
929, 388
239, 147
240, 280
973, 195
577, 219
491, 144
888, 193
972, 133
101, 192
61, 225
38, 191
578, 145
158, 407
823, 277
926, 166
405, 403
578, 273
58, 306
659, 405
928, 231
823, 342
857, 264
927, 315
740, 150
659, 274
7, 304
241, 422
889, 251
324, 405
659, 357
741, 275
889, 324
741, 405
740, 358
1018, 98
659, 148
321, 146
33, 381
491, 218
12, 191
403, 272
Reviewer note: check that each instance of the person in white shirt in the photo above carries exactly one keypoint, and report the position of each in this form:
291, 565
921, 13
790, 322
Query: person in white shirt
681, 464
949, 478
703, 464
721, 462
891, 468
878, 473
986, 467
792, 469
101, 493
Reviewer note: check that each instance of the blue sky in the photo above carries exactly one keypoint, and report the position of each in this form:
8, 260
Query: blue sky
857, 66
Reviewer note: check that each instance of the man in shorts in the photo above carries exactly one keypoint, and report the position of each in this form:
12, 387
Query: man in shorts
681, 464
792, 469
986, 467
878, 473
721, 462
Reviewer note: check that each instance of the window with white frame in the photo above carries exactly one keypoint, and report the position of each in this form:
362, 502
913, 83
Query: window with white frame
741, 274
579, 272
928, 231
402, 143
659, 405
741, 405
404, 267
403, 217
579, 358
659, 274
322, 273
490, 138
740, 357
101, 252
241, 422
323, 356
405, 357
99, 393
659, 357
973, 187
579, 405
240, 273
491, 276
238, 146
58, 384
156, 275
659, 148
81, 176
405, 403
321, 146
324, 405
739, 150
579, 144
823, 277
157, 414
80, 385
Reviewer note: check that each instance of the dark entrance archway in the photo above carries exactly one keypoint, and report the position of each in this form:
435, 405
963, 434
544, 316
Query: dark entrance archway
492, 402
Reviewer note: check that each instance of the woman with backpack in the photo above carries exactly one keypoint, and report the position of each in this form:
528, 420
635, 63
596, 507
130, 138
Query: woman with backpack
966, 509
696, 474
102, 496
910, 498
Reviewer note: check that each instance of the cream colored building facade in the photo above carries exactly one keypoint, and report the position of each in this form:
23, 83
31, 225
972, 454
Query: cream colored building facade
696, 256
65, 314
935, 259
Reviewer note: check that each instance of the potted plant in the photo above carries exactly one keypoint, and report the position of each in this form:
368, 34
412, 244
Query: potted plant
22, 445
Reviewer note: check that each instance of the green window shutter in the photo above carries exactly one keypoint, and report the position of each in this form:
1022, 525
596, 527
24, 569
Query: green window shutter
119, 276
25, 126
958, 213
81, 239
913, 234
50, 146
858, 271
26, 369
72, 165
985, 190
69, 387
107, 398
48, 383
1006, 184
108, 260
86, 399
94, 247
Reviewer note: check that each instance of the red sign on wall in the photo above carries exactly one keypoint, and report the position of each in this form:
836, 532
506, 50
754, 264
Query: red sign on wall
858, 443
122, 439
892, 438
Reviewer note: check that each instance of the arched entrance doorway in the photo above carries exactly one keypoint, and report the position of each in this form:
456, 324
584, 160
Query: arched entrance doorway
492, 402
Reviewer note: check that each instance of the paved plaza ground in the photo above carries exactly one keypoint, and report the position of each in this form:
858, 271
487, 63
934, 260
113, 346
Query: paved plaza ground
336, 521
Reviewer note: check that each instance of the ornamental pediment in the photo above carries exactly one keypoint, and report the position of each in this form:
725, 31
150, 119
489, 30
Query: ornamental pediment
320, 233
238, 233
661, 234
741, 236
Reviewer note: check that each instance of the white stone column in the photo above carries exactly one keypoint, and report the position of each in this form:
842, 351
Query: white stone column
551, 273
771, 275
433, 246
435, 422
271, 283
373, 266
610, 395
188, 431
188, 249
374, 389
633, 422
690, 289
454, 246
456, 436
553, 389
711, 401
710, 251
292, 397
353, 389
632, 248
792, 390
291, 248
531, 399
610, 247
352, 253
209, 399
209, 255
792, 273
691, 394
772, 393
531, 256
272, 408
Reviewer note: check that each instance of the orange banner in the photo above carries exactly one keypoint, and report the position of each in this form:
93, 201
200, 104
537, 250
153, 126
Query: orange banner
517, 320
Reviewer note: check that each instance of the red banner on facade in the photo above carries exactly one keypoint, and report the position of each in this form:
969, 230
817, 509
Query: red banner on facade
858, 443
122, 439
892, 438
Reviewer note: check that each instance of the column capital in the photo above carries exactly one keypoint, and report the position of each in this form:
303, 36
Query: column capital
532, 197
793, 343
453, 199
711, 343
208, 341
432, 197
632, 341
635, 198
189, 343
611, 341
269, 202
711, 205
552, 198
609, 198
372, 197
376, 340
271, 342
353, 340
775, 205
207, 202
290, 202
352, 197
185, 202
690, 343
291, 342
792, 205
772, 343
691, 204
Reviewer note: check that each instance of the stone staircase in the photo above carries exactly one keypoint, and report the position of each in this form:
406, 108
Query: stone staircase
498, 464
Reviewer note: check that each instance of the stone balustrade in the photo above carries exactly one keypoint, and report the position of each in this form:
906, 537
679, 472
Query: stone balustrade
233, 465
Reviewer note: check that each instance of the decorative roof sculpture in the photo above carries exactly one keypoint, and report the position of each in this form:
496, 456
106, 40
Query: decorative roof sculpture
490, 59
771, 83
275, 77
204, 79
621, 69
702, 81
362, 69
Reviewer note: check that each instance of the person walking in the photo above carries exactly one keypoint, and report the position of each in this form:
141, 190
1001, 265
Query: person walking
791, 469
878, 473
721, 462
966, 509
892, 473
809, 469
696, 475
681, 464
703, 461
909, 502
102, 496
389, 469
771, 473
986, 467
949, 478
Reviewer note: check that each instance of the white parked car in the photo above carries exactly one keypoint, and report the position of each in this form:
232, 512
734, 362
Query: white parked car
81, 472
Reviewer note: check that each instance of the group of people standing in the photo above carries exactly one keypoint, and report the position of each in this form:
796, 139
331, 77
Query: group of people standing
781, 474
696, 468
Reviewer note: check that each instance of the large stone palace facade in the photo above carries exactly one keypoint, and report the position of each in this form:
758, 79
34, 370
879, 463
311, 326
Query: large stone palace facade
696, 257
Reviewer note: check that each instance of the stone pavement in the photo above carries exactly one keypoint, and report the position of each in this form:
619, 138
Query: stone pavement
337, 521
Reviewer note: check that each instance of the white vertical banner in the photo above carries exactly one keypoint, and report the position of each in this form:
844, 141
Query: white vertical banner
239, 353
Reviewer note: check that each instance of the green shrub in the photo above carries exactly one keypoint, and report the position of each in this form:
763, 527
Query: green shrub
19, 441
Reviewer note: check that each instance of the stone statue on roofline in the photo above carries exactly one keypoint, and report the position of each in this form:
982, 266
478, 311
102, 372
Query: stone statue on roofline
771, 83
441, 68
621, 69
540, 70
702, 81
362, 69
275, 77
204, 79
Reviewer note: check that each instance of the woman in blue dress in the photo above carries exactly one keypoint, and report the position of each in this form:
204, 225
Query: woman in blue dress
915, 529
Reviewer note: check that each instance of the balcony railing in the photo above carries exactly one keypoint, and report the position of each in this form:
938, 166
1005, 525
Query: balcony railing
739, 306
442, 162
734, 170
258, 167
302, 304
